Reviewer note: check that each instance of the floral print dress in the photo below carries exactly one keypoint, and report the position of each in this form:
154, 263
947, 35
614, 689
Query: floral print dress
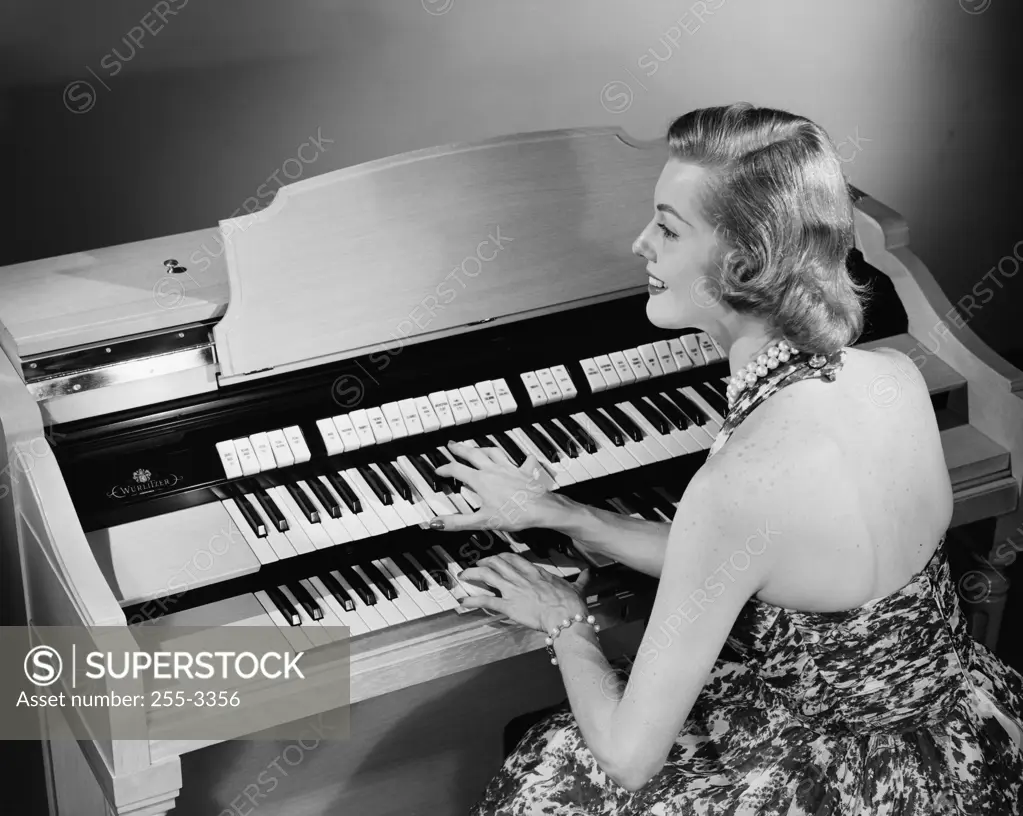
890, 708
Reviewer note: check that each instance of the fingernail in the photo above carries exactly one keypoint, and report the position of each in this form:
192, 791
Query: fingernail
436, 524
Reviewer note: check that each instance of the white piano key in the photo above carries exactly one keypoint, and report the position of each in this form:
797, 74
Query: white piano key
604, 456
557, 471
692, 346
678, 351
489, 397
564, 381
590, 463
710, 351
549, 385
405, 510
571, 465
410, 415
593, 376
331, 622
429, 418
664, 357
716, 419
229, 459
439, 594
264, 454
455, 570
334, 528
504, 396
315, 532
346, 430
625, 454
310, 628
640, 451
439, 401
649, 356
370, 520
279, 541
636, 364
459, 410
406, 590
363, 429
349, 520
523, 550
436, 503
296, 442
259, 545
371, 505
392, 414
295, 636
474, 402
607, 371
331, 438
369, 615
352, 620
381, 431
683, 437
537, 396
387, 609
296, 536
670, 446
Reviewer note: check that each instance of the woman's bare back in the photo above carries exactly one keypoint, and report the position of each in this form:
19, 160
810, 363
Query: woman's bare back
871, 495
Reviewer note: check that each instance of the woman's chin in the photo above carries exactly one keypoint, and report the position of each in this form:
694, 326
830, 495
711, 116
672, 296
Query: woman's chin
663, 312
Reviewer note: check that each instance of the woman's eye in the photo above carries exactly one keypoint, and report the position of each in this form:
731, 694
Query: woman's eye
671, 236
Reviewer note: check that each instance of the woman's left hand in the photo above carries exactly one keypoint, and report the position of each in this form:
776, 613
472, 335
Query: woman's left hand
529, 594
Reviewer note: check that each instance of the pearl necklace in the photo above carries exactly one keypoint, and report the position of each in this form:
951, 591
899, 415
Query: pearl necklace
767, 361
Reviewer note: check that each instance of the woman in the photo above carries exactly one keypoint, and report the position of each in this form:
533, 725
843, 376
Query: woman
812, 540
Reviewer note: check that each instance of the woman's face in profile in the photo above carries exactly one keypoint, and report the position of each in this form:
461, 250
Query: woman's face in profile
680, 248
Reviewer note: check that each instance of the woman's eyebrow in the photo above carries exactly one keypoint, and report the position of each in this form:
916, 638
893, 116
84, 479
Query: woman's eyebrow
669, 209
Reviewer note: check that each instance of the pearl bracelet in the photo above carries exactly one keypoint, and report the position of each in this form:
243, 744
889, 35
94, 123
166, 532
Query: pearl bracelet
592, 621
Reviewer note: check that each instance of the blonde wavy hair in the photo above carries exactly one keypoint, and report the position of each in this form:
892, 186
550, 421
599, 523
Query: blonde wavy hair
783, 211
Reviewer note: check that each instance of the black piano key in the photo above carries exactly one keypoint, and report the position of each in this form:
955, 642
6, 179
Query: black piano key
360, 587
670, 411
436, 566
607, 427
304, 503
659, 501
721, 387
255, 521
324, 497
344, 490
380, 581
517, 455
435, 482
652, 415
542, 443
375, 484
308, 602
560, 438
272, 511
391, 474
533, 538
484, 442
622, 420
714, 399
281, 601
644, 507
436, 458
687, 407
587, 442
671, 492
626, 505
339, 592
406, 566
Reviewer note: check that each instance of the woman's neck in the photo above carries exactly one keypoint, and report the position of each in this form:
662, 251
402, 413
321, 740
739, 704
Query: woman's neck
744, 338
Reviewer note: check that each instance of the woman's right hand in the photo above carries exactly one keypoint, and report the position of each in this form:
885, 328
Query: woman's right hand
512, 498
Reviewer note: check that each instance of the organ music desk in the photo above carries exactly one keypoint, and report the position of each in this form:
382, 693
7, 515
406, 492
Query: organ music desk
161, 390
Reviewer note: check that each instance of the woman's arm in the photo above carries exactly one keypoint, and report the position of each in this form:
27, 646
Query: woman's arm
636, 543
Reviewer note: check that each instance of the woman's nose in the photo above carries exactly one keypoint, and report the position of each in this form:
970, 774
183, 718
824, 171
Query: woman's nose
642, 248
